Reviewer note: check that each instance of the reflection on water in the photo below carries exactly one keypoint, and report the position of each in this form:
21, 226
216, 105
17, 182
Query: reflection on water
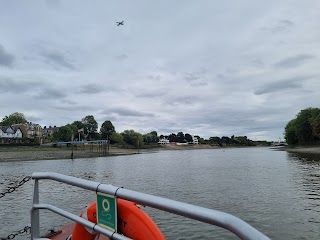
276, 192
306, 179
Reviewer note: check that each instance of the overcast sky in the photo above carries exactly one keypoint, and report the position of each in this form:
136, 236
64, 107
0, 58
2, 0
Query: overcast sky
208, 68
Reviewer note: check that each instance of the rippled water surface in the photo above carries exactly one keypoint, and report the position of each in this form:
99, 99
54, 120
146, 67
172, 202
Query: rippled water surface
276, 192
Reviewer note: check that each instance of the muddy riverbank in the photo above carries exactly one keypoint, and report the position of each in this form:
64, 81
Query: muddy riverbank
46, 153
301, 149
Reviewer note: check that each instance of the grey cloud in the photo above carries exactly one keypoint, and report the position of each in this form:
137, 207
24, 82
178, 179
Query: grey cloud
128, 112
64, 107
70, 102
257, 63
172, 129
190, 77
9, 85
36, 89
33, 119
294, 61
282, 85
154, 77
241, 122
91, 89
122, 57
58, 60
151, 94
196, 79
221, 76
199, 83
49, 93
67, 106
284, 24
280, 26
53, 3
185, 100
6, 59
112, 118
226, 121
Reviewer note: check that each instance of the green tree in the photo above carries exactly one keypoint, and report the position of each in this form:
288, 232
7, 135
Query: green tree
241, 140
116, 138
215, 140
95, 136
315, 126
106, 129
64, 133
226, 140
315, 122
14, 118
74, 129
290, 133
76, 126
154, 134
172, 137
133, 138
201, 140
188, 137
151, 137
180, 137
90, 126
305, 128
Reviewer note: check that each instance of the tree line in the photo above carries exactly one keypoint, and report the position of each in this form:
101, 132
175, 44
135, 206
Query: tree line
180, 137
87, 129
304, 129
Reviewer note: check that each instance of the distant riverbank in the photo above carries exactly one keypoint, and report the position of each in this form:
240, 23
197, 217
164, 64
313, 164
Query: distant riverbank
48, 153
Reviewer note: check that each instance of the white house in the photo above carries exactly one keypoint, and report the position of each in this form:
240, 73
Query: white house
163, 141
195, 140
9, 134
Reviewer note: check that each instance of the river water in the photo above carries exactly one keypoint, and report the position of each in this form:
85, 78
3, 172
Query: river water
274, 191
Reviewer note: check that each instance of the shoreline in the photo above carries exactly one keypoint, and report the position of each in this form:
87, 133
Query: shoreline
39, 154
302, 149
50, 153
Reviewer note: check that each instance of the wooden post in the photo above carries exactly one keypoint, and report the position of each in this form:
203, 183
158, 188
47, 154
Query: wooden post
72, 137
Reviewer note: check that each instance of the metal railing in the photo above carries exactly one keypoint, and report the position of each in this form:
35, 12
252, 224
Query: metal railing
235, 225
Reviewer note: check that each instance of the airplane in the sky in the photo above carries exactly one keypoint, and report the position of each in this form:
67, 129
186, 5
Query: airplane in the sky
119, 23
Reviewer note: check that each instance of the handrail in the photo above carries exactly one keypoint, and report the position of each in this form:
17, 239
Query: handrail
80, 220
235, 225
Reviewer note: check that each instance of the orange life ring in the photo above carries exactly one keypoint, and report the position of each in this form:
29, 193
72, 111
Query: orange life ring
135, 223
82, 232
132, 222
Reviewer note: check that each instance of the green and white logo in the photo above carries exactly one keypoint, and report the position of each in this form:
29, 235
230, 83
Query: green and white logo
107, 211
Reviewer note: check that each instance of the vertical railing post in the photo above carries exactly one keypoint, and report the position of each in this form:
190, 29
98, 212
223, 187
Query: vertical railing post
35, 221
